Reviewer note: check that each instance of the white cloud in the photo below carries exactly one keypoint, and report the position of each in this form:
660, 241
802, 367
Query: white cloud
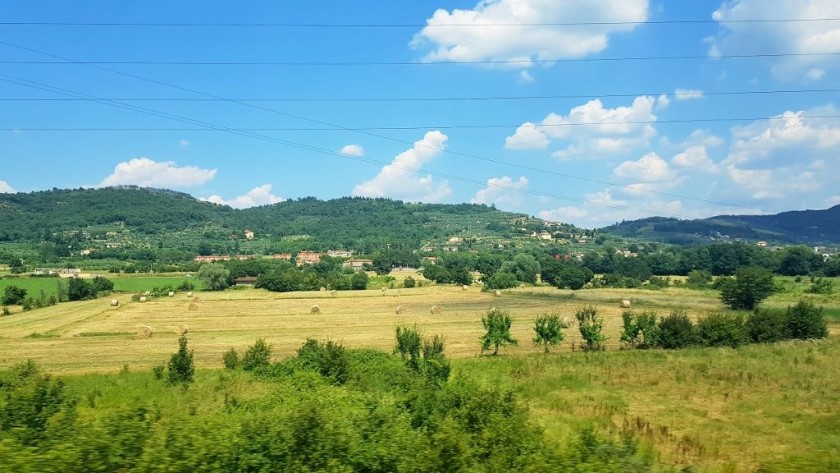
695, 158
527, 136
184, 143
778, 183
592, 129
148, 173
5, 188
516, 30
399, 180
501, 191
648, 168
662, 102
805, 37
563, 214
352, 150
814, 74
688, 94
833, 200
525, 77
257, 196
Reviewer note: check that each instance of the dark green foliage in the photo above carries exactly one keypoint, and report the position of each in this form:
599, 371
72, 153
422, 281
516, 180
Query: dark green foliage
435, 366
409, 343
501, 280
185, 286
329, 359
214, 276
409, 282
805, 320
497, 326
640, 330
566, 274
799, 261
591, 328
750, 286
722, 329
359, 281
230, 359
101, 284
256, 356
698, 278
768, 326
14, 295
78, 290
548, 330
524, 266
29, 402
676, 330
181, 368
821, 286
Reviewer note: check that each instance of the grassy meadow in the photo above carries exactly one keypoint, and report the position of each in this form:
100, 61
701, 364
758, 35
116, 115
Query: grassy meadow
772, 407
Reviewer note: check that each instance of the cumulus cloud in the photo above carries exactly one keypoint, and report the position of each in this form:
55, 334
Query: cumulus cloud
662, 102
518, 30
260, 195
591, 129
688, 94
352, 150
185, 143
695, 158
648, 168
502, 191
787, 37
399, 179
5, 188
525, 77
148, 173
563, 214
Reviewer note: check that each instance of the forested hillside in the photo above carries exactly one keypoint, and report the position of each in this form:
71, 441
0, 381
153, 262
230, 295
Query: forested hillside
805, 227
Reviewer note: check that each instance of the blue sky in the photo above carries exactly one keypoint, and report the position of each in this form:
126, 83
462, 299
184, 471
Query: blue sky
587, 112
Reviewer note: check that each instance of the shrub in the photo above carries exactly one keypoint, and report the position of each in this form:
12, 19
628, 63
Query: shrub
13, 295
359, 281
231, 359
591, 328
722, 329
804, 320
676, 330
330, 360
181, 368
640, 331
821, 286
767, 326
256, 356
408, 346
549, 331
409, 282
158, 370
501, 280
698, 278
435, 365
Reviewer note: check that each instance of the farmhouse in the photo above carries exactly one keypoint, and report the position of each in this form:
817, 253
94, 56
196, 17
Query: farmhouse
249, 234
211, 258
340, 253
308, 257
284, 256
357, 264
245, 281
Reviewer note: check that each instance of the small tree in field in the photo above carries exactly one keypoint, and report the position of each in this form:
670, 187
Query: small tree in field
181, 368
409, 344
549, 331
591, 328
497, 324
256, 356
214, 276
750, 286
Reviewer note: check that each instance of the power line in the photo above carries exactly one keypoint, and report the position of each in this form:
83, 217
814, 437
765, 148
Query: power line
442, 127
369, 133
406, 25
58, 90
418, 99
415, 63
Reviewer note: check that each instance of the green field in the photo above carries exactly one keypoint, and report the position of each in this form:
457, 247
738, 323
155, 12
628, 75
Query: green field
770, 406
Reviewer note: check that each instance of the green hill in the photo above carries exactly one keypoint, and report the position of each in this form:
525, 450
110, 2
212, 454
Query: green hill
802, 227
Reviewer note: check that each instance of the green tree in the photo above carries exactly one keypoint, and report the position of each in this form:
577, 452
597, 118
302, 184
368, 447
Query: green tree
101, 284
676, 330
748, 288
591, 328
257, 355
435, 365
409, 282
181, 368
409, 344
639, 331
14, 295
78, 290
359, 281
497, 325
566, 274
231, 359
722, 329
214, 276
524, 266
501, 280
548, 330
805, 320
698, 278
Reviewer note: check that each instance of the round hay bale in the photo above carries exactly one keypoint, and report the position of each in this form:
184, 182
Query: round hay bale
115, 302
323, 289
332, 293
171, 293
315, 309
142, 298
196, 299
193, 306
465, 287
625, 304
144, 331
436, 309
497, 293
189, 294
566, 322
181, 329
400, 309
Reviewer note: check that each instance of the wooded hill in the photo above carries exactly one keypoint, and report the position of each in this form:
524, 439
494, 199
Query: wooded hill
131, 216
808, 227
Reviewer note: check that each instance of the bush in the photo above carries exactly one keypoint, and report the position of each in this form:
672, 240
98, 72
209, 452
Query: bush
751, 285
676, 331
231, 359
409, 282
181, 368
591, 328
722, 329
804, 320
501, 280
640, 331
256, 356
698, 278
13, 295
359, 281
767, 326
821, 286
330, 360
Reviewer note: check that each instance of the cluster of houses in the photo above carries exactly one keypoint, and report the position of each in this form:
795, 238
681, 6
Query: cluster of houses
302, 258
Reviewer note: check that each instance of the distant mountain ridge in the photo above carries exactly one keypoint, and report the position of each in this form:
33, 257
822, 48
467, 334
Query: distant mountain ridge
810, 227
